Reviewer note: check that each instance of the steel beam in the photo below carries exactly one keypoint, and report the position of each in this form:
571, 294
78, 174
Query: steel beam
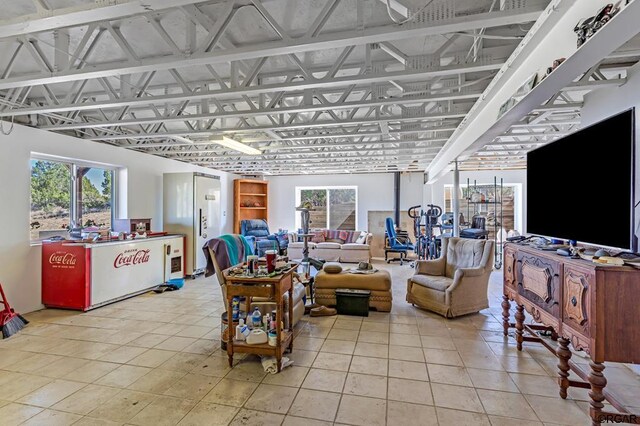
337, 82
302, 152
89, 12
350, 167
263, 128
267, 111
271, 149
307, 138
390, 158
323, 41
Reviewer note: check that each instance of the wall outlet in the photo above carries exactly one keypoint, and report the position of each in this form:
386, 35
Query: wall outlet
224, 213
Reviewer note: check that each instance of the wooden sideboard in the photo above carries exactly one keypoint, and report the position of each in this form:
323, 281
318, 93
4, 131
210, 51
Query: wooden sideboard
593, 307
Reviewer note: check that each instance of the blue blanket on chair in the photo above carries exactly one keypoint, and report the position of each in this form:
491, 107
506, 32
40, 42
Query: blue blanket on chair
236, 249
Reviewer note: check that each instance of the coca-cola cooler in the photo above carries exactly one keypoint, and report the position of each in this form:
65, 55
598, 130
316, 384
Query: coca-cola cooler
84, 276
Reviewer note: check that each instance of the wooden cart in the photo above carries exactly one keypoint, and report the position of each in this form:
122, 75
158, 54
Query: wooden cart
273, 288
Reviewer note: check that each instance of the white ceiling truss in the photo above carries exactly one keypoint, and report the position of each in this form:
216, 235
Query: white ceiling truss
558, 117
318, 86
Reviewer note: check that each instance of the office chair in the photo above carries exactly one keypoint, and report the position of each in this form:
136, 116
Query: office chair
396, 244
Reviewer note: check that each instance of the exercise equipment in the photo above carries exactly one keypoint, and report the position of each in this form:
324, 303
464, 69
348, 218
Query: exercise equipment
424, 225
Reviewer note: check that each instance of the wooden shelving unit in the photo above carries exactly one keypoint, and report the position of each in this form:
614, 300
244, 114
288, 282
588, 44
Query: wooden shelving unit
250, 201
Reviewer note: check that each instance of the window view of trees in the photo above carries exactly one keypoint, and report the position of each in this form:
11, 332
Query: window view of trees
52, 197
50, 187
96, 198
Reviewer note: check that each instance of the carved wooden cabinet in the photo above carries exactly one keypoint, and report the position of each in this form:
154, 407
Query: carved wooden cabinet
576, 315
510, 267
539, 280
593, 307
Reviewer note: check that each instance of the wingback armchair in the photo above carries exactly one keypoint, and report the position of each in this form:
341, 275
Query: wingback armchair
456, 283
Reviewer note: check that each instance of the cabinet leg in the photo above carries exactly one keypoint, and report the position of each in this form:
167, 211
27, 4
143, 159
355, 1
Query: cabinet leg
564, 355
519, 326
506, 306
598, 382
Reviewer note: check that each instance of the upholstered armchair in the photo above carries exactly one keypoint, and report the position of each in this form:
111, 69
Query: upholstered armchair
456, 283
259, 229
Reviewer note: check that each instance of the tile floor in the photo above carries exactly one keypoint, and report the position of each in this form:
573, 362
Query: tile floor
156, 360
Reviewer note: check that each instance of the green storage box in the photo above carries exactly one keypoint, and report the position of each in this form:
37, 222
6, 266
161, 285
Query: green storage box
352, 302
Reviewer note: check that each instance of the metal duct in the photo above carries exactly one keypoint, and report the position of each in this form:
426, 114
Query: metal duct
396, 198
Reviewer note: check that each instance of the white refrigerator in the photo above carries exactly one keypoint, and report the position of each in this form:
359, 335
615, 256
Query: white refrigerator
192, 207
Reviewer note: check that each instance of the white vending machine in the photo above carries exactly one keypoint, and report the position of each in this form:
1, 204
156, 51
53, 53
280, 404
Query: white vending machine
192, 208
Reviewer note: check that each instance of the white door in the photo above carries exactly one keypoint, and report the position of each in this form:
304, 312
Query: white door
207, 215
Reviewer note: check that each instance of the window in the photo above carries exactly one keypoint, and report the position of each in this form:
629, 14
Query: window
65, 194
333, 207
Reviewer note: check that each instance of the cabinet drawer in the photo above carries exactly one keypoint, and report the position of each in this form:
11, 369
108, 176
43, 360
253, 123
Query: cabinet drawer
510, 268
539, 281
576, 306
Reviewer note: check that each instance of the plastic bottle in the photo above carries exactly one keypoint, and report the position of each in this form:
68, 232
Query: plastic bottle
242, 331
272, 338
235, 305
256, 318
266, 321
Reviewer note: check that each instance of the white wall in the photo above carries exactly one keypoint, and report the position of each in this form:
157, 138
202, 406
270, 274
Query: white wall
604, 103
375, 192
434, 192
19, 261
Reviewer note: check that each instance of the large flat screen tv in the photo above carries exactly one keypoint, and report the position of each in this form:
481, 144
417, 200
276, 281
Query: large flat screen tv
581, 187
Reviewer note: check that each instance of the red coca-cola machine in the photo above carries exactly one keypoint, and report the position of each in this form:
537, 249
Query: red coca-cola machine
84, 276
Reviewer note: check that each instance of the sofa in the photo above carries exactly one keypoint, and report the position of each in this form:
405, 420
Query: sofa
333, 246
456, 283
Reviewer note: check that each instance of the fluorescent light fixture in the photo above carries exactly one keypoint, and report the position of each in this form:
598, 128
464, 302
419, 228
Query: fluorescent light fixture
237, 146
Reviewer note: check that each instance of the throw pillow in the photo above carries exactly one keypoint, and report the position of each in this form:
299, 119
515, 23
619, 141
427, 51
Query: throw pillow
332, 234
332, 268
318, 237
362, 239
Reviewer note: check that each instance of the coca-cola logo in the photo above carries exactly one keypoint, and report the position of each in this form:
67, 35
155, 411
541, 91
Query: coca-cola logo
61, 259
131, 257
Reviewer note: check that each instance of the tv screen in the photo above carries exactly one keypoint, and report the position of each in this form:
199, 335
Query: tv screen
581, 187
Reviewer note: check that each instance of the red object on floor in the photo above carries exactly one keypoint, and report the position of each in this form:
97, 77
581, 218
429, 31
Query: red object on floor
8, 315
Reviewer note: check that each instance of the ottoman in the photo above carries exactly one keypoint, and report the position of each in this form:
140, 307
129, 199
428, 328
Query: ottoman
379, 283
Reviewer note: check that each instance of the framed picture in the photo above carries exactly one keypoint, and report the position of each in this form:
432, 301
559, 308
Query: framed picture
506, 106
527, 86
